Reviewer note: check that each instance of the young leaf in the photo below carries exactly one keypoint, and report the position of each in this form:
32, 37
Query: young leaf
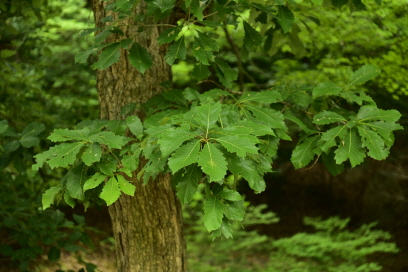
92, 154
326, 88
327, 117
303, 153
169, 35
350, 149
94, 181
212, 162
49, 195
125, 186
184, 156
109, 56
110, 192
239, 145
285, 18
135, 126
364, 74
213, 213
176, 50
187, 183
252, 37
140, 58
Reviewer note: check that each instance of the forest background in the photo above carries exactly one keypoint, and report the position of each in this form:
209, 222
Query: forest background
40, 83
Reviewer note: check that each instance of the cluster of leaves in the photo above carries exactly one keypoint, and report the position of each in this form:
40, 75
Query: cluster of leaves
202, 138
29, 232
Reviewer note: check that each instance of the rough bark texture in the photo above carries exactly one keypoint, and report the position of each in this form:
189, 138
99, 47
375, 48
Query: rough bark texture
148, 227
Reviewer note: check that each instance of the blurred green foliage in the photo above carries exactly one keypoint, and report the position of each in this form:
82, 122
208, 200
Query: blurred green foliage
331, 247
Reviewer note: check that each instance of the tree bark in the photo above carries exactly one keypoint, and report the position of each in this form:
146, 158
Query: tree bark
148, 227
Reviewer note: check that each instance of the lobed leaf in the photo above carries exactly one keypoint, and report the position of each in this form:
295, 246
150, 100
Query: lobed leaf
261, 97
135, 126
285, 18
212, 162
108, 138
326, 88
92, 154
49, 196
239, 145
351, 148
187, 183
304, 152
169, 35
246, 168
208, 114
172, 139
234, 210
374, 143
327, 117
252, 37
94, 181
125, 186
108, 57
364, 74
184, 156
372, 113
176, 50
328, 138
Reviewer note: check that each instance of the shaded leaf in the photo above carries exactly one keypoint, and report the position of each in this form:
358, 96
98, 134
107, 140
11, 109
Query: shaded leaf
140, 58
350, 149
252, 37
303, 153
327, 117
94, 181
285, 18
49, 196
239, 145
172, 139
326, 88
92, 154
176, 50
213, 213
364, 74
109, 56
187, 183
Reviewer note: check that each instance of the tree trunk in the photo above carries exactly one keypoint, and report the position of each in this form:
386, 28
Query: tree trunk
148, 227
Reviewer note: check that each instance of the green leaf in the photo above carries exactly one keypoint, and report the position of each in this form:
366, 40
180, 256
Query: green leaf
213, 213
226, 228
289, 116
329, 137
68, 199
32, 129
225, 73
135, 126
63, 134
107, 165
317, 2
230, 195
252, 37
108, 138
117, 126
270, 117
328, 117
49, 196
92, 154
11, 146
3, 126
75, 179
331, 165
126, 186
359, 5
269, 146
326, 88
350, 149
94, 181
201, 53
246, 168
212, 162
184, 156
64, 154
374, 143
214, 94
200, 71
140, 58
191, 94
30, 141
110, 192
187, 183
303, 153
261, 97
169, 35
54, 254
339, 3
163, 5
176, 96
239, 145
234, 210
385, 129
109, 56
176, 50
82, 56
285, 18
372, 113
207, 42
208, 114
172, 139
364, 74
